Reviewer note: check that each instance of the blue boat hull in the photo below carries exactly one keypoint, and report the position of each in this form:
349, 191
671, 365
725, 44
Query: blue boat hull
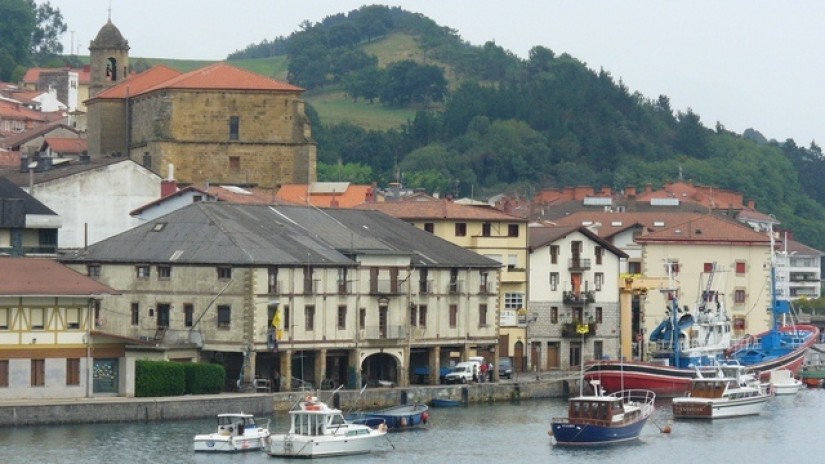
567, 433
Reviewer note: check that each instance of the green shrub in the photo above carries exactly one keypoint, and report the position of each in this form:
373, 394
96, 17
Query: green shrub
204, 378
159, 378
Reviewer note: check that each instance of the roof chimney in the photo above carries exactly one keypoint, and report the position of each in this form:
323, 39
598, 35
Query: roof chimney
631, 192
169, 186
752, 204
648, 188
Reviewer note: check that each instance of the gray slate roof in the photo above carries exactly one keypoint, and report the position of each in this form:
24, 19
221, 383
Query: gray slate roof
260, 235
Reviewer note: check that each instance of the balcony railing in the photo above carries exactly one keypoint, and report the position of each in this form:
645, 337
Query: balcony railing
386, 287
388, 332
573, 298
578, 264
455, 287
570, 330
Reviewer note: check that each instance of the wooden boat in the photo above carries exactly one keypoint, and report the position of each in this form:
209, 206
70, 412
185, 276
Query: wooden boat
446, 403
783, 382
731, 392
398, 418
236, 432
601, 419
317, 430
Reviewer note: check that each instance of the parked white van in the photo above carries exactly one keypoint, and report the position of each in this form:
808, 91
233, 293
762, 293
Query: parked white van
463, 372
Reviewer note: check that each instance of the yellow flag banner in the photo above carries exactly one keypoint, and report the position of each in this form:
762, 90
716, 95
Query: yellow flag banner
276, 319
582, 329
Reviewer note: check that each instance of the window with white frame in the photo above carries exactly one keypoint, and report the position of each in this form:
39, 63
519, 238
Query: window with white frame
598, 279
513, 300
554, 281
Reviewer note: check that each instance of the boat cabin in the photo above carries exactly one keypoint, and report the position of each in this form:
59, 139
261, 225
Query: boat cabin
603, 410
315, 418
235, 424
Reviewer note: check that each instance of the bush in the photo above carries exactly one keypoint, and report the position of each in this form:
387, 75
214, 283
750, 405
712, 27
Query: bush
204, 378
159, 378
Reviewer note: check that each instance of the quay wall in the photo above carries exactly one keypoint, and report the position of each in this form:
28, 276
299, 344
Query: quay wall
118, 409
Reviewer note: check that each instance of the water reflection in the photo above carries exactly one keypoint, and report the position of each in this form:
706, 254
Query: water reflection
506, 433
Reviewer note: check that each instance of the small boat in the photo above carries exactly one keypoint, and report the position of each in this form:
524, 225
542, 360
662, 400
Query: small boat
316, 430
236, 432
397, 418
812, 375
783, 382
732, 392
601, 419
446, 403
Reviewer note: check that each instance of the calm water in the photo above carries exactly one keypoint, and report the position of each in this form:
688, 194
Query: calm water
790, 429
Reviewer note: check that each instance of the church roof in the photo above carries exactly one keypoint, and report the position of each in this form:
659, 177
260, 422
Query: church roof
138, 83
222, 76
109, 36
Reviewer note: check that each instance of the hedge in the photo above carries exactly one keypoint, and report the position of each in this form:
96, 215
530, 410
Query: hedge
204, 378
165, 378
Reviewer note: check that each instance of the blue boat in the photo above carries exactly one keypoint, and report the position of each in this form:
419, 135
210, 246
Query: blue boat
444, 403
398, 418
600, 419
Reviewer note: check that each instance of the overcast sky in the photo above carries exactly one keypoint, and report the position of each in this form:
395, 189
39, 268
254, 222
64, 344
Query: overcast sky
744, 63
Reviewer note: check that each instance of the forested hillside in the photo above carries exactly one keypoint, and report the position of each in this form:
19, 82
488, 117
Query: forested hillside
497, 123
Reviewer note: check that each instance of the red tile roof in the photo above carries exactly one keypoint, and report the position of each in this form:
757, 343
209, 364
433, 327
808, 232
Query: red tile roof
32, 75
45, 277
222, 76
138, 83
608, 224
13, 110
66, 145
335, 195
707, 229
439, 209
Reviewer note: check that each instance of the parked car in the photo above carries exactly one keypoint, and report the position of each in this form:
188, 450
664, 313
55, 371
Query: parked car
505, 368
463, 372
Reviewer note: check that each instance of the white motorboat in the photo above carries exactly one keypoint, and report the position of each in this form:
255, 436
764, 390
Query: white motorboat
317, 430
731, 392
236, 432
783, 382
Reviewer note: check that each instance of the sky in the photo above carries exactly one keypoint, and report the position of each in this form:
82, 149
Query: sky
743, 63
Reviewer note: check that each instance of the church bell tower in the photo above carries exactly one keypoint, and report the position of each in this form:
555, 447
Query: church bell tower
109, 59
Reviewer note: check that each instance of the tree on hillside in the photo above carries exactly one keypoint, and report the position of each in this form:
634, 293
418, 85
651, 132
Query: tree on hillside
17, 23
373, 21
50, 27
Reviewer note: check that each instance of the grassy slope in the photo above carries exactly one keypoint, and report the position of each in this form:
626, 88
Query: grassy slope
331, 103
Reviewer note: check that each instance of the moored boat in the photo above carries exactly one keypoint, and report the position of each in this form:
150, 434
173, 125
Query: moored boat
812, 375
397, 418
784, 383
316, 430
235, 432
446, 403
731, 392
601, 419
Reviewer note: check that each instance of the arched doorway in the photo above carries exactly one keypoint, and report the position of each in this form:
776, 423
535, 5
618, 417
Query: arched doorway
380, 369
518, 356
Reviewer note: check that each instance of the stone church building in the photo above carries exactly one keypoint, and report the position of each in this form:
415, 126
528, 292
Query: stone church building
218, 124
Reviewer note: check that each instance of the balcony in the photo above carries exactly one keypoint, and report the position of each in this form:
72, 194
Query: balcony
385, 287
578, 264
569, 330
388, 332
486, 288
576, 298
455, 287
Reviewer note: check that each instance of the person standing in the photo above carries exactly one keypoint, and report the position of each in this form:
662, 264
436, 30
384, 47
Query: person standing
483, 376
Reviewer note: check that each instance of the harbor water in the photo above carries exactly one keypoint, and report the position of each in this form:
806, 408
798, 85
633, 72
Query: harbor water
790, 428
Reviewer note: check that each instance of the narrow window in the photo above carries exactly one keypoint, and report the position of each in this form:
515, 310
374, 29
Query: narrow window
739, 296
362, 318
599, 280
554, 314
135, 314
429, 227
554, 254
453, 316
413, 315
486, 229
460, 229
482, 315
598, 314
38, 318
224, 272
224, 316
342, 318
309, 317
38, 377
512, 230
286, 317
164, 272
73, 371
235, 163
93, 270
73, 318
4, 318
188, 314
272, 280
234, 127
512, 262
599, 251
422, 316
554, 281
308, 287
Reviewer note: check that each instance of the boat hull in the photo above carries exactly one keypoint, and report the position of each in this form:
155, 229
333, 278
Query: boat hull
667, 381
302, 446
407, 417
570, 434
215, 443
701, 408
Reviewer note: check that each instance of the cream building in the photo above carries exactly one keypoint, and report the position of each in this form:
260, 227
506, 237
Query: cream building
322, 296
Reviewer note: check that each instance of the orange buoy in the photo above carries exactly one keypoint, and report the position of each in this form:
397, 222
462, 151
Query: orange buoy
666, 429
